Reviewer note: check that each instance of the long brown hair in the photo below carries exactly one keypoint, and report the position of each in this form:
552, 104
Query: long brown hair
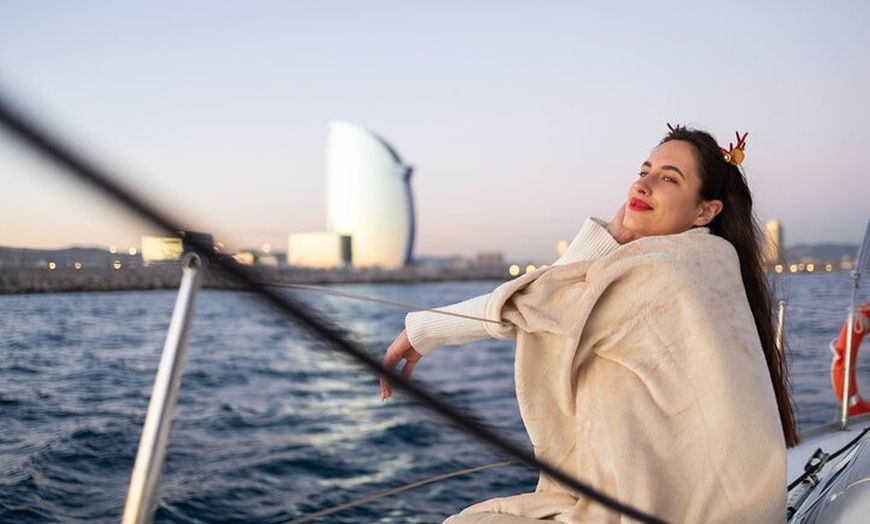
737, 224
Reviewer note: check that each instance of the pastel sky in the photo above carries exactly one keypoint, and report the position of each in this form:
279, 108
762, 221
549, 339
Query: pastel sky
520, 118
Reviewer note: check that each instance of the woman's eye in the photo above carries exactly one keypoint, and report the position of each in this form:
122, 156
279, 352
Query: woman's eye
642, 174
669, 179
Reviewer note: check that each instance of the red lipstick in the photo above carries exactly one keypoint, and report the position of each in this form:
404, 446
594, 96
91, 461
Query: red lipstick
636, 204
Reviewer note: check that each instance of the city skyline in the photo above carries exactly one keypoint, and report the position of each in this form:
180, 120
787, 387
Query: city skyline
774, 238
519, 119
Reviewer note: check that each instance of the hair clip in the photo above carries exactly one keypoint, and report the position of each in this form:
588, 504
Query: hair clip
735, 155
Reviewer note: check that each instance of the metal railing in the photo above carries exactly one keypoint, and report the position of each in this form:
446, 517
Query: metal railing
860, 265
151, 455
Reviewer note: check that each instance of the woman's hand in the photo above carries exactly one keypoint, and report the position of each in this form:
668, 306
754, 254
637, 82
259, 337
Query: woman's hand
399, 350
616, 229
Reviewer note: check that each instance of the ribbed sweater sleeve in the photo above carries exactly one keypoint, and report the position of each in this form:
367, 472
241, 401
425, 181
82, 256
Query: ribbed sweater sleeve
429, 330
591, 243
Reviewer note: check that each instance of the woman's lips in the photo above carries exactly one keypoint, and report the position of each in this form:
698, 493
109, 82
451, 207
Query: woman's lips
636, 204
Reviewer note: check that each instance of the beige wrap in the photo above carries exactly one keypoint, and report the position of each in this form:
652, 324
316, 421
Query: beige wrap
642, 375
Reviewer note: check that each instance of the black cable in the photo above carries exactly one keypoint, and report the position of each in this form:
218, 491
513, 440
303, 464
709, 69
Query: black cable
37, 138
832, 456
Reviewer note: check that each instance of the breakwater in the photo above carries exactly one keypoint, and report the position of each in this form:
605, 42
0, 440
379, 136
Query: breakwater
67, 280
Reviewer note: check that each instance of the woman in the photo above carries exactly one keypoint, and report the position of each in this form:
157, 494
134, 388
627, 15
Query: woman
644, 368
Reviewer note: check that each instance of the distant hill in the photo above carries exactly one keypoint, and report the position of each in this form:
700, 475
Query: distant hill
14, 257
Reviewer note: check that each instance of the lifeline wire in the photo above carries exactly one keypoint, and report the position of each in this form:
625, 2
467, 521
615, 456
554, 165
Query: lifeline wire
810, 471
52, 148
403, 305
387, 493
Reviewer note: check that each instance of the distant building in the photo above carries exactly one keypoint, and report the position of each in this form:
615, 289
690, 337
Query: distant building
163, 250
443, 263
489, 260
773, 236
321, 249
245, 258
368, 197
160, 250
268, 260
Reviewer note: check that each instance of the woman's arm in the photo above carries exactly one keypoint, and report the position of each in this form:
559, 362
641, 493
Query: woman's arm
429, 330
462, 323
451, 325
593, 241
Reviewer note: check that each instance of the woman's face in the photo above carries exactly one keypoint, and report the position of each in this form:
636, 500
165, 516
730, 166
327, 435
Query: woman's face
665, 199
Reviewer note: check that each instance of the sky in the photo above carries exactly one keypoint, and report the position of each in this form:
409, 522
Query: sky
520, 118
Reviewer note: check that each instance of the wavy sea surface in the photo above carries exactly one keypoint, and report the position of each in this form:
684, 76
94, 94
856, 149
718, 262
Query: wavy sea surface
272, 424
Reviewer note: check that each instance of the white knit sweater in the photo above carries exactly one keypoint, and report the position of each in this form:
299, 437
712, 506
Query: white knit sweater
638, 371
428, 331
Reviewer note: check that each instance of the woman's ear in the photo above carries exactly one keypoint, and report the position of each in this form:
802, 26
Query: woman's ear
707, 211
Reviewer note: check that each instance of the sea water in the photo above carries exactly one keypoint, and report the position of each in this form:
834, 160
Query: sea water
272, 424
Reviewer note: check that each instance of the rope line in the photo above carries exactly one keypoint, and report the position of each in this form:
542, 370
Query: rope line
38, 139
400, 489
362, 298
831, 457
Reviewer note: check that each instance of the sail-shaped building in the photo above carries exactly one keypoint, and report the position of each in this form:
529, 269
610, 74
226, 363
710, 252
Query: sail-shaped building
368, 197
369, 206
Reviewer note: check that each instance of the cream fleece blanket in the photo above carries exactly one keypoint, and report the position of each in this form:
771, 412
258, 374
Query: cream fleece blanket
641, 374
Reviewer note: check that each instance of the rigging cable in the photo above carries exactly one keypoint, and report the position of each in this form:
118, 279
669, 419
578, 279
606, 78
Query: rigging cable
387, 493
403, 305
813, 469
52, 148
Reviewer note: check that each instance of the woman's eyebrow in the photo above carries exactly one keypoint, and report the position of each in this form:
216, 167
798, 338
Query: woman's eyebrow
668, 167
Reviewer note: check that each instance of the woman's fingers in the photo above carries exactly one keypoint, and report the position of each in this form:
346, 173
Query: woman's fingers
399, 350
386, 392
391, 360
409, 367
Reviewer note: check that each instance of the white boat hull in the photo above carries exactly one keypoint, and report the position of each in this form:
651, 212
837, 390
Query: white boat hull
838, 489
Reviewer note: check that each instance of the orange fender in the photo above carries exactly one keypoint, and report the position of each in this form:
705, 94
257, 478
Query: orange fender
857, 405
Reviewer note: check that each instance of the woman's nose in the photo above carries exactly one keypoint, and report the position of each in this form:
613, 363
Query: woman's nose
642, 186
